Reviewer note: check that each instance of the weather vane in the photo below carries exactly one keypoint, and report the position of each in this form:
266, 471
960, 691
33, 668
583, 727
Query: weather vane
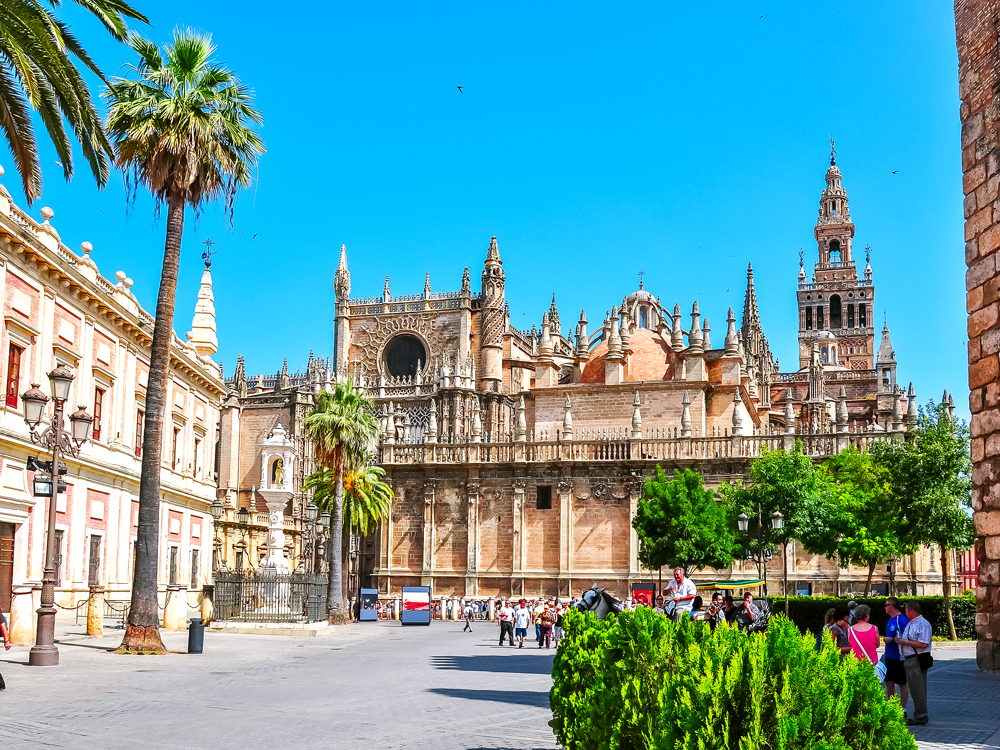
868, 253
801, 254
209, 252
833, 152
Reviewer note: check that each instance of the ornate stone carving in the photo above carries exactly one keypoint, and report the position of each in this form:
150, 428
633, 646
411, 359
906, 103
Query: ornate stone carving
565, 485
372, 338
498, 493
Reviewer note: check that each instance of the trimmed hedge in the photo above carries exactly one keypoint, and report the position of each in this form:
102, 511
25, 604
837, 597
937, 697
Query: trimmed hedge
807, 611
640, 681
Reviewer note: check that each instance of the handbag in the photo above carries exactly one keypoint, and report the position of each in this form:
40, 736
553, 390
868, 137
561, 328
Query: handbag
925, 660
880, 669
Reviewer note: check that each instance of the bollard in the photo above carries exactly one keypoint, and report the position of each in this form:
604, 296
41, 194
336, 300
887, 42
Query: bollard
175, 608
95, 612
196, 636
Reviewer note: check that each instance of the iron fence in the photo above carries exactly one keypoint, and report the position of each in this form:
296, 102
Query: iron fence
263, 596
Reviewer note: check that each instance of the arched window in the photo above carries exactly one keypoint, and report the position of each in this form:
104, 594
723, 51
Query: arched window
835, 311
643, 317
835, 251
850, 315
862, 315
403, 354
809, 318
825, 354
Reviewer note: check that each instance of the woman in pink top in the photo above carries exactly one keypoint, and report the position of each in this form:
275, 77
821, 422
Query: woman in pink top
863, 636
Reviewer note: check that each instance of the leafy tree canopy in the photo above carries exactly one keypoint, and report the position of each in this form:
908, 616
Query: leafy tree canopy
680, 524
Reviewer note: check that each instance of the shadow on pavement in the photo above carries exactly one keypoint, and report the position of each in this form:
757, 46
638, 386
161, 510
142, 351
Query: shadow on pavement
519, 664
536, 698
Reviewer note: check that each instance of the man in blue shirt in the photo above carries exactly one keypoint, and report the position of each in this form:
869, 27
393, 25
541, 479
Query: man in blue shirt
895, 674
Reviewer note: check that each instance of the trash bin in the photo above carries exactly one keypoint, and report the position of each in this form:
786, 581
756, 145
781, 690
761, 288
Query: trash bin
196, 636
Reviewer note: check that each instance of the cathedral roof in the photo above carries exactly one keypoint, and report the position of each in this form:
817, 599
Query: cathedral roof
651, 359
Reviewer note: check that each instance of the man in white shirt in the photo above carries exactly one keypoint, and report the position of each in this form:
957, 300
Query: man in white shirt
468, 613
505, 614
682, 591
522, 618
916, 640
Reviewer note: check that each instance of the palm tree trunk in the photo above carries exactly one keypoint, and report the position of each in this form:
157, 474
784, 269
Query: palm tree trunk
946, 592
142, 631
335, 594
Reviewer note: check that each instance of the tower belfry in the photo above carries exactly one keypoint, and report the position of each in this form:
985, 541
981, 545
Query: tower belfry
835, 307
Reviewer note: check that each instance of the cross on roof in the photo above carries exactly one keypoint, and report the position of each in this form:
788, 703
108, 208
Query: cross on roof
641, 274
209, 252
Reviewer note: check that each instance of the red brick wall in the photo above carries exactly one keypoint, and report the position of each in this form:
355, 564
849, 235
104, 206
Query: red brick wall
976, 24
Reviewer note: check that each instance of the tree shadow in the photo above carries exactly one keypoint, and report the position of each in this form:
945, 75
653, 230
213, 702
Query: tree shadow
536, 698
516, 663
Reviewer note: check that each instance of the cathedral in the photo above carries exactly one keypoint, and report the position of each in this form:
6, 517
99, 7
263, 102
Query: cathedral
518, 457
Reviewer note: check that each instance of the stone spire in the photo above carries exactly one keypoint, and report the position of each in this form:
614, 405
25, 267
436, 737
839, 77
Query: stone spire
676, 332
492, 320
203, 335
427, 285
430, 436
582, 342
545, 345
554, 316
636, 417
342, 277
732, 343
842, 410
282, 382
385, 291
686, 415
614, 339
911, 407
240, 384
705, 341
886, 360
694, 335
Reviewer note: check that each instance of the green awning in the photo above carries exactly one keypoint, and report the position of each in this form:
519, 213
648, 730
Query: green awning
730, 584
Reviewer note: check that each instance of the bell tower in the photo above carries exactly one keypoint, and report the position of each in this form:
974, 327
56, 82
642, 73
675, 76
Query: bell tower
492, 322
836, 307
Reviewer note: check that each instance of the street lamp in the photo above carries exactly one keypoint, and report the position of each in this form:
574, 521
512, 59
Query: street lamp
761, 555
56, 439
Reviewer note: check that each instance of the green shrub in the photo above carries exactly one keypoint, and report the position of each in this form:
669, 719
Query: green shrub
807, 611
640, 681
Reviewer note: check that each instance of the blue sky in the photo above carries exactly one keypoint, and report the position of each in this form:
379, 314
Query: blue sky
593, 140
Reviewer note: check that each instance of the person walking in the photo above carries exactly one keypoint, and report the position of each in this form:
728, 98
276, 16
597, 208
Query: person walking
522, 617
863, 636
469, 612
505, 615
557, 629
545, 621
536, 613
915, 646
895, 674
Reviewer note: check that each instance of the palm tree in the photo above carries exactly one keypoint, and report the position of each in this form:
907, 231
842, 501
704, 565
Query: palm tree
181, 129
37, 73
343, 430
367, 496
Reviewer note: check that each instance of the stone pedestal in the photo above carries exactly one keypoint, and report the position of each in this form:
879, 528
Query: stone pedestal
95, 612
175, 611
22, 617
276, 502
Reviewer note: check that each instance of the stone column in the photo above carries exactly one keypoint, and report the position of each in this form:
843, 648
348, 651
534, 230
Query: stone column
472, 543
95, 612
427, 574
518, 540
22, 616
565, 528
979, 82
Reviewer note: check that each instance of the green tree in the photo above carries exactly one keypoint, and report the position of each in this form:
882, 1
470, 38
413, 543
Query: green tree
183, 129
868, 520
343, 431
367, 496
789, 484
38, 73
681, 524
930, 476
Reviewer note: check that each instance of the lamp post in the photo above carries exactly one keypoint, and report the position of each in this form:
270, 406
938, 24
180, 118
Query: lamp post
312, 512
762, 555
217, 509
44, 653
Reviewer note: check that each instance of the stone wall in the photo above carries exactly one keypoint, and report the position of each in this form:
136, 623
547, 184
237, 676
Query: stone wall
979, 81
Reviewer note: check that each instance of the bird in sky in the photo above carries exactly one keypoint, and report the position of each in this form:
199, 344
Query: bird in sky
255, 235
760, 17
460, 90
895, 171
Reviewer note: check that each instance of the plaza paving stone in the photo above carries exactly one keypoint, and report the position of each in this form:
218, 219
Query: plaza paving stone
362, 686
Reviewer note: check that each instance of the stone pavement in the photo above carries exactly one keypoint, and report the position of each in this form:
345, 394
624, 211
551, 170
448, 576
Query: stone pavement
363, 686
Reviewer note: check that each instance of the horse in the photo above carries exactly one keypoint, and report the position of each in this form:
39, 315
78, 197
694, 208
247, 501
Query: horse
600, 602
